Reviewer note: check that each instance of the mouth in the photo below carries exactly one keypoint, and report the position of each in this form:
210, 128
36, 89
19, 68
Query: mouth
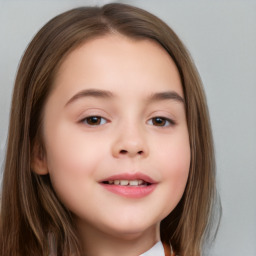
136, 185
130, 183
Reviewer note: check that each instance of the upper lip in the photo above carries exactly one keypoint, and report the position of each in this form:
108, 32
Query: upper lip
130, 176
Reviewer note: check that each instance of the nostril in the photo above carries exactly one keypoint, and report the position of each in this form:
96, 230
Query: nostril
127, 152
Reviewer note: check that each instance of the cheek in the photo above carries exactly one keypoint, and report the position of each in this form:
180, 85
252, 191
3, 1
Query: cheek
70, 150
174, 156
72, 161
179, 163
174, 161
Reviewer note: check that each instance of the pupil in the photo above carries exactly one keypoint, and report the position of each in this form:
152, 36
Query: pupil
94, 120
159, 121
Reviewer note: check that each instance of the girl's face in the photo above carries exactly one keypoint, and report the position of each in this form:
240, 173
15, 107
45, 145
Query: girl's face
116, 137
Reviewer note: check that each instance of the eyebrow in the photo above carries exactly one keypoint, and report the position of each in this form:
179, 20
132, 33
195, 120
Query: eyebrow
168, 95
91, 93
159, 96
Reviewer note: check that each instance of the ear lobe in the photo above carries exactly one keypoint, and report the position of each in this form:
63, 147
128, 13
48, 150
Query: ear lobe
39, 163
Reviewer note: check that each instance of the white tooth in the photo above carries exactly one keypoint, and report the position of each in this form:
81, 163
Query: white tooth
116, 182
140, 182
124, 182
111, 182
134, 183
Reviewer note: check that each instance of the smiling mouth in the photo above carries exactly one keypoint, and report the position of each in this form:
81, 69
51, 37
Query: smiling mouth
127, 183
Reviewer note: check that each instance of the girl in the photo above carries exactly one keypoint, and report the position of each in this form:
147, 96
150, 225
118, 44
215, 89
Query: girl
110, 149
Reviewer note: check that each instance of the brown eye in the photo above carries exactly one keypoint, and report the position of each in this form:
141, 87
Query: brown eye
158, 121
94, 120
161, 121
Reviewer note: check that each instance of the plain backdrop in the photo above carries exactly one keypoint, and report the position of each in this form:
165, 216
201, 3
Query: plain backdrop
221, 36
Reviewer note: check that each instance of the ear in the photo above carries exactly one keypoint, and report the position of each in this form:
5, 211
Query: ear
38, 162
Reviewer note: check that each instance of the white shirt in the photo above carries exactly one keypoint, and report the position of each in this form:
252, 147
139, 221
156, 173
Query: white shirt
156, 250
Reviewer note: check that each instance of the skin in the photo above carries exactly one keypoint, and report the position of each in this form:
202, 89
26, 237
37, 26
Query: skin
127, 139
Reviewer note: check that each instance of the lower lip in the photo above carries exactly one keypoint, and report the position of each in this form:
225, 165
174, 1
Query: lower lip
130, 191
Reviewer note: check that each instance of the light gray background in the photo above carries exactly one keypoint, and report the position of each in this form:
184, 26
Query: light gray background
221, 36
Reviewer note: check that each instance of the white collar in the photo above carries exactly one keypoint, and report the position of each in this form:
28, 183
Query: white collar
156, 250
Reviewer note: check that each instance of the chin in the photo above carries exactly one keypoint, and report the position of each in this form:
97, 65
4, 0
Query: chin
131, 230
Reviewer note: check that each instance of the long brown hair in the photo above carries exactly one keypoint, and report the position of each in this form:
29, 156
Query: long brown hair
30, 210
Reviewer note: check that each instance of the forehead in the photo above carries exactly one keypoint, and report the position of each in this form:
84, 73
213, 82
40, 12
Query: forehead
119, 62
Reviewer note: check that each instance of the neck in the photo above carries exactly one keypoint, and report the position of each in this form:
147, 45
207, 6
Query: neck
98, 243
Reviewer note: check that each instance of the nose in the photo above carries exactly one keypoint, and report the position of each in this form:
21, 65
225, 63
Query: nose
130, 142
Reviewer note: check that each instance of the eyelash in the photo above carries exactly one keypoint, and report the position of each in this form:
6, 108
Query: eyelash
167, 121
98, 121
